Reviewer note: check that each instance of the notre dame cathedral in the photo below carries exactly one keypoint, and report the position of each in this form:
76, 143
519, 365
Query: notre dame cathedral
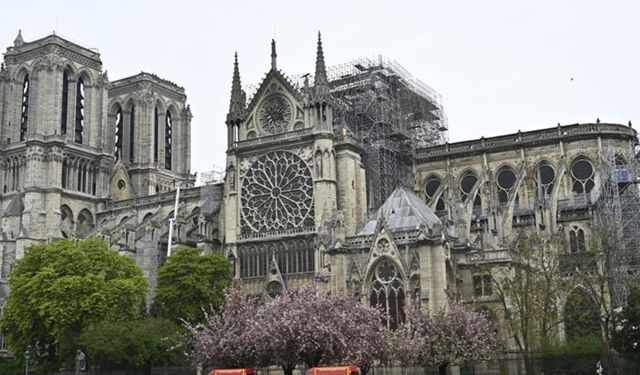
344, 176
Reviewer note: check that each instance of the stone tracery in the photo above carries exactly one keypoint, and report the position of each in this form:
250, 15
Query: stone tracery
277, 194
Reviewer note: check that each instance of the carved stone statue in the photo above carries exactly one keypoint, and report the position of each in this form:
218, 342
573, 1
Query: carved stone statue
81, 363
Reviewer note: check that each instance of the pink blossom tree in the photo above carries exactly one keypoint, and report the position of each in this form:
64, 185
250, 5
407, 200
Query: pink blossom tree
457, 335
227, 338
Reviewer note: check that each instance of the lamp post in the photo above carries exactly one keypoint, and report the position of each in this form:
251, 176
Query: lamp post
27, 357
172, 221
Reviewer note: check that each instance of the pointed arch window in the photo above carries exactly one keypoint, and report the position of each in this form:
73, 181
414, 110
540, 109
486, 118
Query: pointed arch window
79, 128
467, 184
388, 294
506, 181
24, 117
132, 125
119, 131
65, 102
583, 176
577, 242
545, 177
155, 134
430, 190
168, 125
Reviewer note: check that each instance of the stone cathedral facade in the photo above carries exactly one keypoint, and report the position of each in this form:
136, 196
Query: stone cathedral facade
81, 156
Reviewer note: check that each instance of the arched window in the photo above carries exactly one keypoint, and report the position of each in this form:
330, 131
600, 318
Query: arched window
167, 140
79, 110
119, 131
544, 178
430, 189
466, 186
506, 181
24, 117
65, 102
577, 242
65, 172
132, 140
387, 293
582, 172
155, 134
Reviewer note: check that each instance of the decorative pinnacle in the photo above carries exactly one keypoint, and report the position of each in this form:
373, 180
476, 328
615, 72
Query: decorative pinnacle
18, 41
321, 71
274, 55
236, 106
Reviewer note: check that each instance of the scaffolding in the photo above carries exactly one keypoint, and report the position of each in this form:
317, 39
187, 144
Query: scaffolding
617, 213
392, 113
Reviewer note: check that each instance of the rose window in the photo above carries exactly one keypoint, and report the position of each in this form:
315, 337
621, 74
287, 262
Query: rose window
275, 114
277, 194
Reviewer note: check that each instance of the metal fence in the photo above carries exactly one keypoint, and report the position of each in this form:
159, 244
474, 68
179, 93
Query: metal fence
565, 365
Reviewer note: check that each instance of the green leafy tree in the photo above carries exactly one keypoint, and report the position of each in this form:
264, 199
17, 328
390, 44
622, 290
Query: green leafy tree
61, 288
137, 344
190, 282
626, 332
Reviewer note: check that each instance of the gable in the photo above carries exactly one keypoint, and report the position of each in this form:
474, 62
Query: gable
120, 187
275, 108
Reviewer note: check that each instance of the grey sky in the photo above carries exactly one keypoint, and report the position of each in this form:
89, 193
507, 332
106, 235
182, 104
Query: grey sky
499, 65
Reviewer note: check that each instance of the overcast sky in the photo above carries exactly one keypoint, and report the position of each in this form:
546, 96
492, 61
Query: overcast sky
500, 66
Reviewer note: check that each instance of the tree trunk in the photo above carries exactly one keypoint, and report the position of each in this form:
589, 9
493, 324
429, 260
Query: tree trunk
288, 370
442, 369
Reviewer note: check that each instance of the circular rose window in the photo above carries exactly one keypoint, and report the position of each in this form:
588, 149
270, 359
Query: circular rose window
277, 194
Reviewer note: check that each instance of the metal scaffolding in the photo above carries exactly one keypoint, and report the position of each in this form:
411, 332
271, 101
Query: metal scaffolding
392, 113
617, 214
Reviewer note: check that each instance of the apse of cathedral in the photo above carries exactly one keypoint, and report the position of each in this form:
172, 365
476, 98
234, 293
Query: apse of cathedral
344, 177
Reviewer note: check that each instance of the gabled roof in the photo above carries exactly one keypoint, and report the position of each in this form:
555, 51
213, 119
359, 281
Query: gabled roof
403, 210
278, 75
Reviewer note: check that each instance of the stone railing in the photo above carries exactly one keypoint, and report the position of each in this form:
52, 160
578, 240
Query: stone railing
485, 256
273, 138
525, 139
170, 196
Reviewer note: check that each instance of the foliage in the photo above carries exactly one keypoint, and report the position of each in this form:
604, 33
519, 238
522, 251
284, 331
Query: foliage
453, 335
226, 338
626, 332
137, 344
61, 288
11, 366
578, 346
310, 328
530, 291
303, 327
189, 282
306, 327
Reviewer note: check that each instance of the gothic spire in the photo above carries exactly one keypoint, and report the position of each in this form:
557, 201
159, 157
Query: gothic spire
237, 103
274, 55
18, 42
321, 70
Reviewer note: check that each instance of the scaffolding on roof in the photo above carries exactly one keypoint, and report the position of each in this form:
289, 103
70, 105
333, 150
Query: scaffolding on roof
393, 113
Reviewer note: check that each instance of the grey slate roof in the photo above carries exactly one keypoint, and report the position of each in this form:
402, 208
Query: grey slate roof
403, 210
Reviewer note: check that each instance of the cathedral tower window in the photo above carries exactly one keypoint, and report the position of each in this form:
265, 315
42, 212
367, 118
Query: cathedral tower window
132, 139
167, 140
119, 131
506, 181
79, 128
387, 293
583, 174
24, 117
430, 190
65, 102
155, 134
